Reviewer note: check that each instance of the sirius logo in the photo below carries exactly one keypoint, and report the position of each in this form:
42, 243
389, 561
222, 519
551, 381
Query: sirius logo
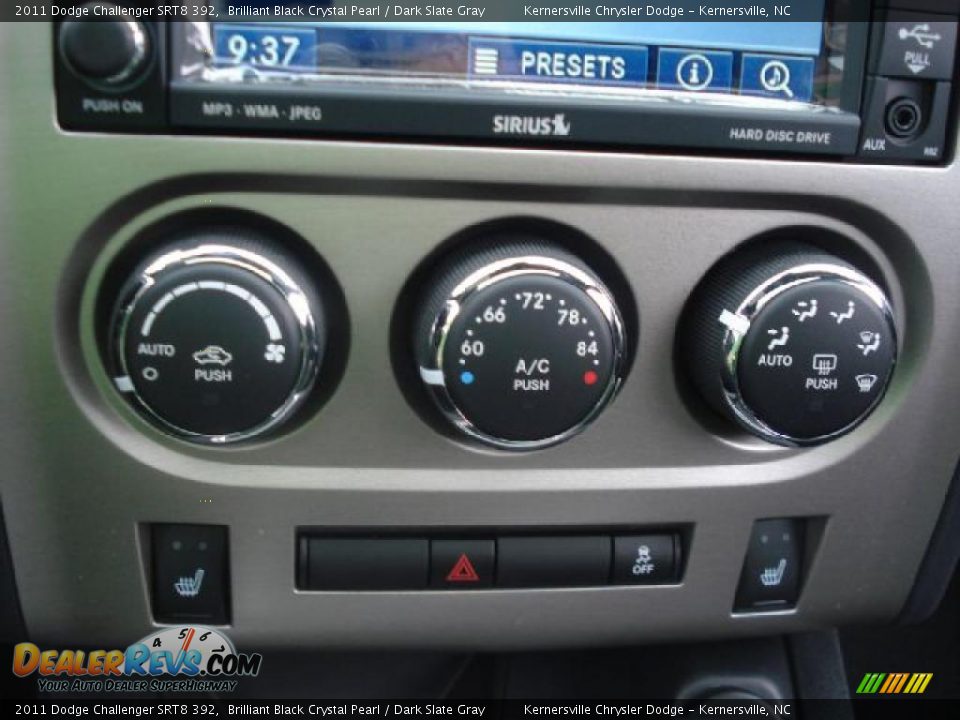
557, 125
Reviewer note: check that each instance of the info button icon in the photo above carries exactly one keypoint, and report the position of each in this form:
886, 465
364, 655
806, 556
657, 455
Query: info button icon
695, 70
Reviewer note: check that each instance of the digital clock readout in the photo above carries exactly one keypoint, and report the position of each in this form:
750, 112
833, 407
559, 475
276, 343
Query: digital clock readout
265, 46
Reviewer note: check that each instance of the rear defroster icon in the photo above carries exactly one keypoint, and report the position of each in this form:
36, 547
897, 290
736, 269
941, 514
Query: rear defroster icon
825, 363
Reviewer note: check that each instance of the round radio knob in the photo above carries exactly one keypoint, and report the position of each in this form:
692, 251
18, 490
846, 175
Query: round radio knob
794, 344
218, 337
108, 53
519, 343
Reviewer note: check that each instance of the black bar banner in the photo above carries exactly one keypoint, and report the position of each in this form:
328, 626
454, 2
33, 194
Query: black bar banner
177, 707
441, 10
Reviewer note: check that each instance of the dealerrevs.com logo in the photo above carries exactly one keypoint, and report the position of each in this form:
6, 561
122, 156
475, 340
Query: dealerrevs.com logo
185, 659
551, 125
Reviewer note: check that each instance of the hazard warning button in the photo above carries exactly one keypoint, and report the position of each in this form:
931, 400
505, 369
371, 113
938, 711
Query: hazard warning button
461, 564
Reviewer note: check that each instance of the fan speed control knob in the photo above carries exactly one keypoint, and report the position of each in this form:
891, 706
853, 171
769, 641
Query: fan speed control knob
218, 337
519, 343
792, 343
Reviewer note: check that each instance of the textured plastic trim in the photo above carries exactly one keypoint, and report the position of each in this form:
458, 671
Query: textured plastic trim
939, 563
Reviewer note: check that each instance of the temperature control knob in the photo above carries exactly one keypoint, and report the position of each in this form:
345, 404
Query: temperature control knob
794, 344
519, 343
218, 337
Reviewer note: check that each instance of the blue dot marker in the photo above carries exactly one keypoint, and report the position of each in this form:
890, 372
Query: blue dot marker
467, 377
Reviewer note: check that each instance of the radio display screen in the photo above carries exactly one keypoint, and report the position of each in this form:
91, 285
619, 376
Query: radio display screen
798, 63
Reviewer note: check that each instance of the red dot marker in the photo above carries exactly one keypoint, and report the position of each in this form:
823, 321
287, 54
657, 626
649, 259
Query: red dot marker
590, 378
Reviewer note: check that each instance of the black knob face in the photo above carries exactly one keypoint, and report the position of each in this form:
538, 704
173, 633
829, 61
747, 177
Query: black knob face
816, 358
105, 52
218, 342
796, 346
521, 345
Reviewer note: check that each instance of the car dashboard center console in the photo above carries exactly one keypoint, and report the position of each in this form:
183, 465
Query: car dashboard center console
827, 83
477, 334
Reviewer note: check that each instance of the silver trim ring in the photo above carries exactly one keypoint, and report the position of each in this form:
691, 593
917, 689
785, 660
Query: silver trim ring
739, 325
435, 378
266, 270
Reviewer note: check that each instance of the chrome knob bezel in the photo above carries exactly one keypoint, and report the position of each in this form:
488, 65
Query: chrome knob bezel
737, 324
434, 376
308, 341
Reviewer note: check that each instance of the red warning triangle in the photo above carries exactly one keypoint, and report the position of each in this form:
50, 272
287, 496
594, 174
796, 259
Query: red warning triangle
463, 571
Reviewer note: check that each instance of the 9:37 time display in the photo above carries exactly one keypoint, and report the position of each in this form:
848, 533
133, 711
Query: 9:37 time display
266, 47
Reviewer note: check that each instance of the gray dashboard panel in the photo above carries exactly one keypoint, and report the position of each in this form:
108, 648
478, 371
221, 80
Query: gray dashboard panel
80, 471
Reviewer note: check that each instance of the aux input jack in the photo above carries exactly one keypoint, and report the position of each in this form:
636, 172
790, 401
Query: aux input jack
903, 118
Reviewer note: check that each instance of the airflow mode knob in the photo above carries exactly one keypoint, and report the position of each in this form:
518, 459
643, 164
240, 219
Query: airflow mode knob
794, 344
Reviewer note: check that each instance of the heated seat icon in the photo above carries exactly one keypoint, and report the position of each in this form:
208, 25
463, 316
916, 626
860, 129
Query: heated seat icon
773, 576
190, 586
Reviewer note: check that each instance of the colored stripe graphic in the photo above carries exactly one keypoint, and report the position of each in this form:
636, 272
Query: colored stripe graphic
918, 683
894, 683
901, 683
892, 679
912, 683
